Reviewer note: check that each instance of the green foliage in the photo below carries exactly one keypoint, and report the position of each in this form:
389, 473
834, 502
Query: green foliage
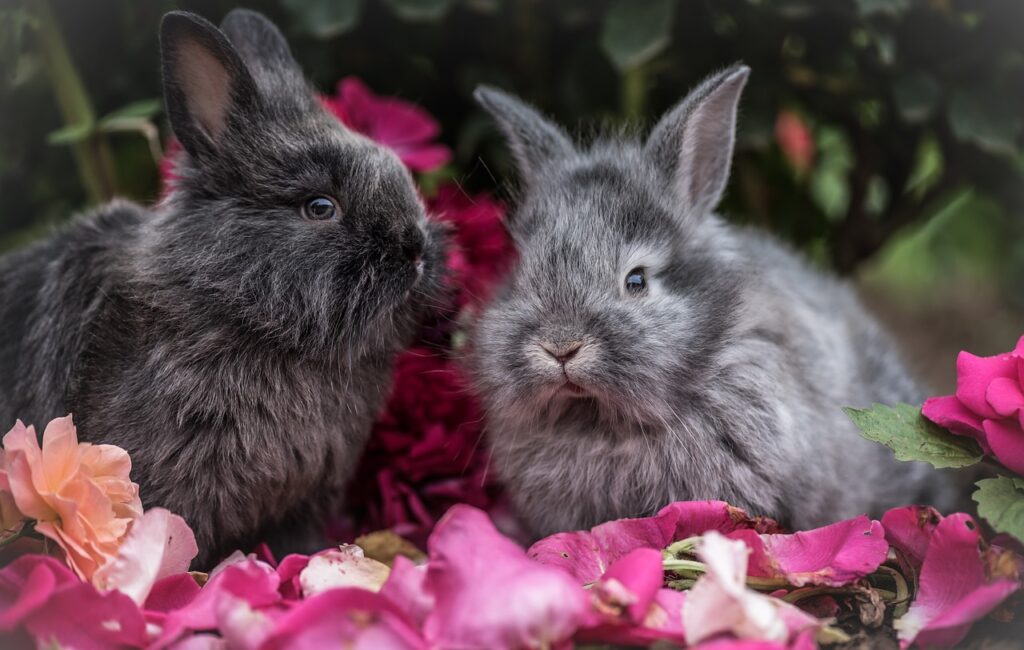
909, 102
1001, 503
903, 429
635, 31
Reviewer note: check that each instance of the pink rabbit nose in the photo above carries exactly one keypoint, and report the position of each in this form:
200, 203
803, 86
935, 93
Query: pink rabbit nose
562, 351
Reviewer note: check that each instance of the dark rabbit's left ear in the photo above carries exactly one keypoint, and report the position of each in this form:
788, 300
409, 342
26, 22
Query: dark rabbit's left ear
207, 87
693, 143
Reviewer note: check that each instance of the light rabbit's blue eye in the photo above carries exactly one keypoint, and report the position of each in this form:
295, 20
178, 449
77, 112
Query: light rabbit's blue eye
636, 281
320, 208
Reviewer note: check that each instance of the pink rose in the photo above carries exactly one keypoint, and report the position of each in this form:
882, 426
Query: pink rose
988, 404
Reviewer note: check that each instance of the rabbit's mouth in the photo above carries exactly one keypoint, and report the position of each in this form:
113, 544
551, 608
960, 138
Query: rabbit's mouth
572, 389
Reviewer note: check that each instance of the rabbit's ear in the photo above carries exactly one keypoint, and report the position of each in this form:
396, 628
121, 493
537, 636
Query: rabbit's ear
205, 82
534, 139
693, 142
263, 48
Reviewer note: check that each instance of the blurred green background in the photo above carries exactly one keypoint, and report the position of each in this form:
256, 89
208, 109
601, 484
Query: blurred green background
884, 137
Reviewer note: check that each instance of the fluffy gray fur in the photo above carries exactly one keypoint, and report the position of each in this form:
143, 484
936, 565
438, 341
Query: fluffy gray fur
722, 380
236, 349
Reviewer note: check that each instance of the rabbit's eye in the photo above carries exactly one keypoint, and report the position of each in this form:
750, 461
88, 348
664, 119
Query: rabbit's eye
636, 281
320, 208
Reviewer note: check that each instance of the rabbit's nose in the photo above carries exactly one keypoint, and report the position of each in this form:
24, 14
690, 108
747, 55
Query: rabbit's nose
562, 351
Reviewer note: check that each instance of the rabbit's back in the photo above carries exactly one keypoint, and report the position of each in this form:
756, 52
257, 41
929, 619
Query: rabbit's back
49, 291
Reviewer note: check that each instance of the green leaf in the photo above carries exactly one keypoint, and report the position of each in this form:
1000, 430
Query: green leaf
903, 429
916, 97
1001, 503
325, 18
420, 10
891, 7
145, 109
988, 121
635, 31
71, 133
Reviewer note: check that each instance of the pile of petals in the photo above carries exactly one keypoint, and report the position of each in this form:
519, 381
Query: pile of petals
698, 574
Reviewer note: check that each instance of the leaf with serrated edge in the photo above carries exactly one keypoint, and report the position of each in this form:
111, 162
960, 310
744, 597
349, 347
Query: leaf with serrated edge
903, 429
1001, 503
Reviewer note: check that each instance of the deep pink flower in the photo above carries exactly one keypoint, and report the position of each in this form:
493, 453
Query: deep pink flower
481, 249
833, 555
489, 594
795, 140
955, 589
587, 555
403, 127
988, 404
425, 454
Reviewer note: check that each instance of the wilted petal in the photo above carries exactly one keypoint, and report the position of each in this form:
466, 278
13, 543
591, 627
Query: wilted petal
350, 618
344, 567
588, 554
629, 586
954, 589
910, 530
720, 602
158, 544
489, 594
833, 555
405, 588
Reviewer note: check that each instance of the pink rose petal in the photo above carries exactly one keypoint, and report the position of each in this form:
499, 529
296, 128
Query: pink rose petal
1007, 442
662, 622
954, 589
1005, 396
489, 594
27, 584
833, 555
949, 413
158, 544
632, 582
405, 588
975, 374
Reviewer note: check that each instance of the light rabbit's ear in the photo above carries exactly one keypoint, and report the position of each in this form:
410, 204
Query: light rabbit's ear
535, 140
206, 84
693, 142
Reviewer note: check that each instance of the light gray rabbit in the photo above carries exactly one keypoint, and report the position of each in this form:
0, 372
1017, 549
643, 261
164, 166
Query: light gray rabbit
645, 351
236, 340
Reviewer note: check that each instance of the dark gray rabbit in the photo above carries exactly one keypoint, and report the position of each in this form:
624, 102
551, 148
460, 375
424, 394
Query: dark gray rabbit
237, 339
645, 351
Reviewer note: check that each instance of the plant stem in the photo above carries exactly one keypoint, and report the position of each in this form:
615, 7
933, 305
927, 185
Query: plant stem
26, 530
633, 89
92, 154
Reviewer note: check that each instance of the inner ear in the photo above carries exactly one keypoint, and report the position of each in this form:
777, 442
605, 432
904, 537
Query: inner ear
206, 84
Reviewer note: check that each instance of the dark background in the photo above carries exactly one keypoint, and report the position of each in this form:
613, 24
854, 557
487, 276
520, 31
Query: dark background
911, 114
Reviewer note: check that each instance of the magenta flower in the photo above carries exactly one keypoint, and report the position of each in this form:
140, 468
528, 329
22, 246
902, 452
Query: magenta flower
833, 555
489, 594
988, 404
909, 530
403, 127
955, 588
586, 555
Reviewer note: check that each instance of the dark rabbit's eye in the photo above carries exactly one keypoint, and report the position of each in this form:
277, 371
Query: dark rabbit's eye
636, 281
320, 208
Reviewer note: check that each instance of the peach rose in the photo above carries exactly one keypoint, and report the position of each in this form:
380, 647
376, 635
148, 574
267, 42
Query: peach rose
79, 493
